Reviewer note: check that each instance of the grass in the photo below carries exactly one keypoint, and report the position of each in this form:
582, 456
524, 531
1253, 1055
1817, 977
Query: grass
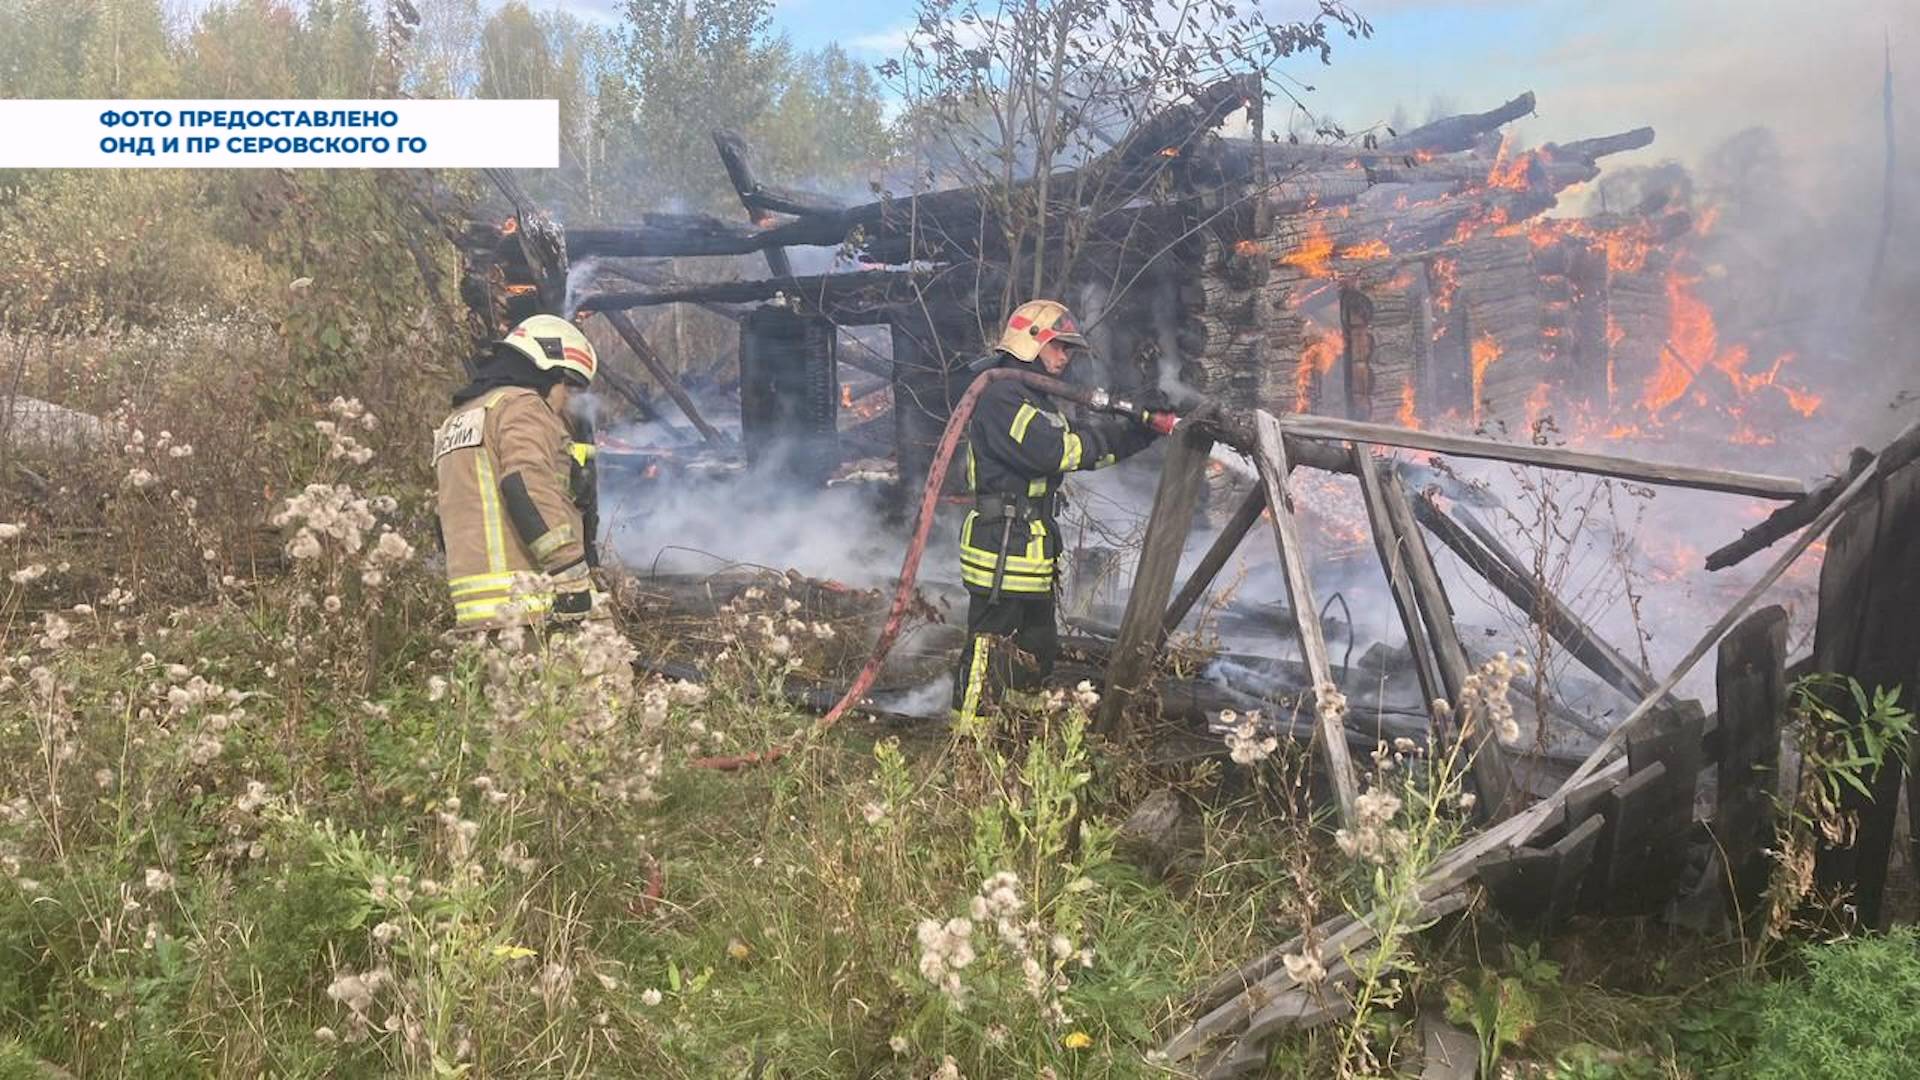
258, 817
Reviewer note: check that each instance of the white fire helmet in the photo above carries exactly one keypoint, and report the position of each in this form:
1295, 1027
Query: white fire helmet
554, 343
1035, 323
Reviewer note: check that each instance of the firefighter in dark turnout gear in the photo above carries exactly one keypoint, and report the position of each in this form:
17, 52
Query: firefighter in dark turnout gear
1020, 446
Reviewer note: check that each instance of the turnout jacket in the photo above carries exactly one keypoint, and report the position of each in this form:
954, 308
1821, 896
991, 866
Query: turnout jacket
513, 531
1020, 446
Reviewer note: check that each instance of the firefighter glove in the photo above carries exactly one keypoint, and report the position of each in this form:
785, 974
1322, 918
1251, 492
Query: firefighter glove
1160, 423
573, 592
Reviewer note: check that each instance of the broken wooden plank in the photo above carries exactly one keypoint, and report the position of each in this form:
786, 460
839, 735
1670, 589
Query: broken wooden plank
1487, 765
1751, 687
1537, 888
630, 334
1208, 568
1458, 866
1272, 463
1520, 882
1623, 807
1575, 852
1784, 520
1181, 481
1392, 549
1342, 936
1552, 457
1671, 742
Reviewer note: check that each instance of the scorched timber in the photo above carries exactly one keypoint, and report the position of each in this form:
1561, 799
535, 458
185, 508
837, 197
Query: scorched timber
864, 297
1552, 457
1456, 133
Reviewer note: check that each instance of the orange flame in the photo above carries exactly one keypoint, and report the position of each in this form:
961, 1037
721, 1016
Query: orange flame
1627, 250
1310, 258
1509, 174
1491, 219
1538, 402
1485, 351
1446, 280
1408, 417
1801, 401
522, 290
510, 226
1317, 358
1375, 248
1693, 341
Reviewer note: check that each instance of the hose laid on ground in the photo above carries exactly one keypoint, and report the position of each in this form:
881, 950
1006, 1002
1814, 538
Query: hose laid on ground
910, 566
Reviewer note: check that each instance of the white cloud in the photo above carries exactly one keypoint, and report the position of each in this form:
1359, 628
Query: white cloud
890, 41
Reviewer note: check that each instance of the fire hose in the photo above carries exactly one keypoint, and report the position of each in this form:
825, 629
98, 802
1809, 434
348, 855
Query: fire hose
1094, 398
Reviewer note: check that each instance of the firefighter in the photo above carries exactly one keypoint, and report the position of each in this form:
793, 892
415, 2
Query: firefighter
510, 478
1019, 448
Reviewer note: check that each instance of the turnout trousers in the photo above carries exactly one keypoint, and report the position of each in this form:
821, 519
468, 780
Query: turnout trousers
1011, 643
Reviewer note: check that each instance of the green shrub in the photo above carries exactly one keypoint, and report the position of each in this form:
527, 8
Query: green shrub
1853, 1015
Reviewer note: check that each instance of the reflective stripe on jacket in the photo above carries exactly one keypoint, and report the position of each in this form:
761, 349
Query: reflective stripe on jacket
506, 509
1020, 446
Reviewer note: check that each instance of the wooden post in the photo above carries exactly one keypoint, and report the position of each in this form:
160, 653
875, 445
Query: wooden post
1216, 557
630, 334
1181, 482
1751, 684
1490, 771
1869, 590
1272, 462
1392, 548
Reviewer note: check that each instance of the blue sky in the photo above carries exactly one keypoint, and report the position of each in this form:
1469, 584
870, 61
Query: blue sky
1696, 70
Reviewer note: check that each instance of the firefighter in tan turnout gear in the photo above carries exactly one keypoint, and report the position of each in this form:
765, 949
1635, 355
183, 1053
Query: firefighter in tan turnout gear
1019, 448
509, 472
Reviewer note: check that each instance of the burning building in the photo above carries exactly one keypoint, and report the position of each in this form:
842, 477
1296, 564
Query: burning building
1420, 280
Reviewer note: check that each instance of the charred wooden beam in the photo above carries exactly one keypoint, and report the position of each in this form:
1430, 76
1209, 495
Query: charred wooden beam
1552, 457
636, 341
661, 235
1488, 767
865, 298
1456, 133
760, 197
1216, 557
541, 243
1272, 463
1782, 522
739, 165
1592, 149
1392, 549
